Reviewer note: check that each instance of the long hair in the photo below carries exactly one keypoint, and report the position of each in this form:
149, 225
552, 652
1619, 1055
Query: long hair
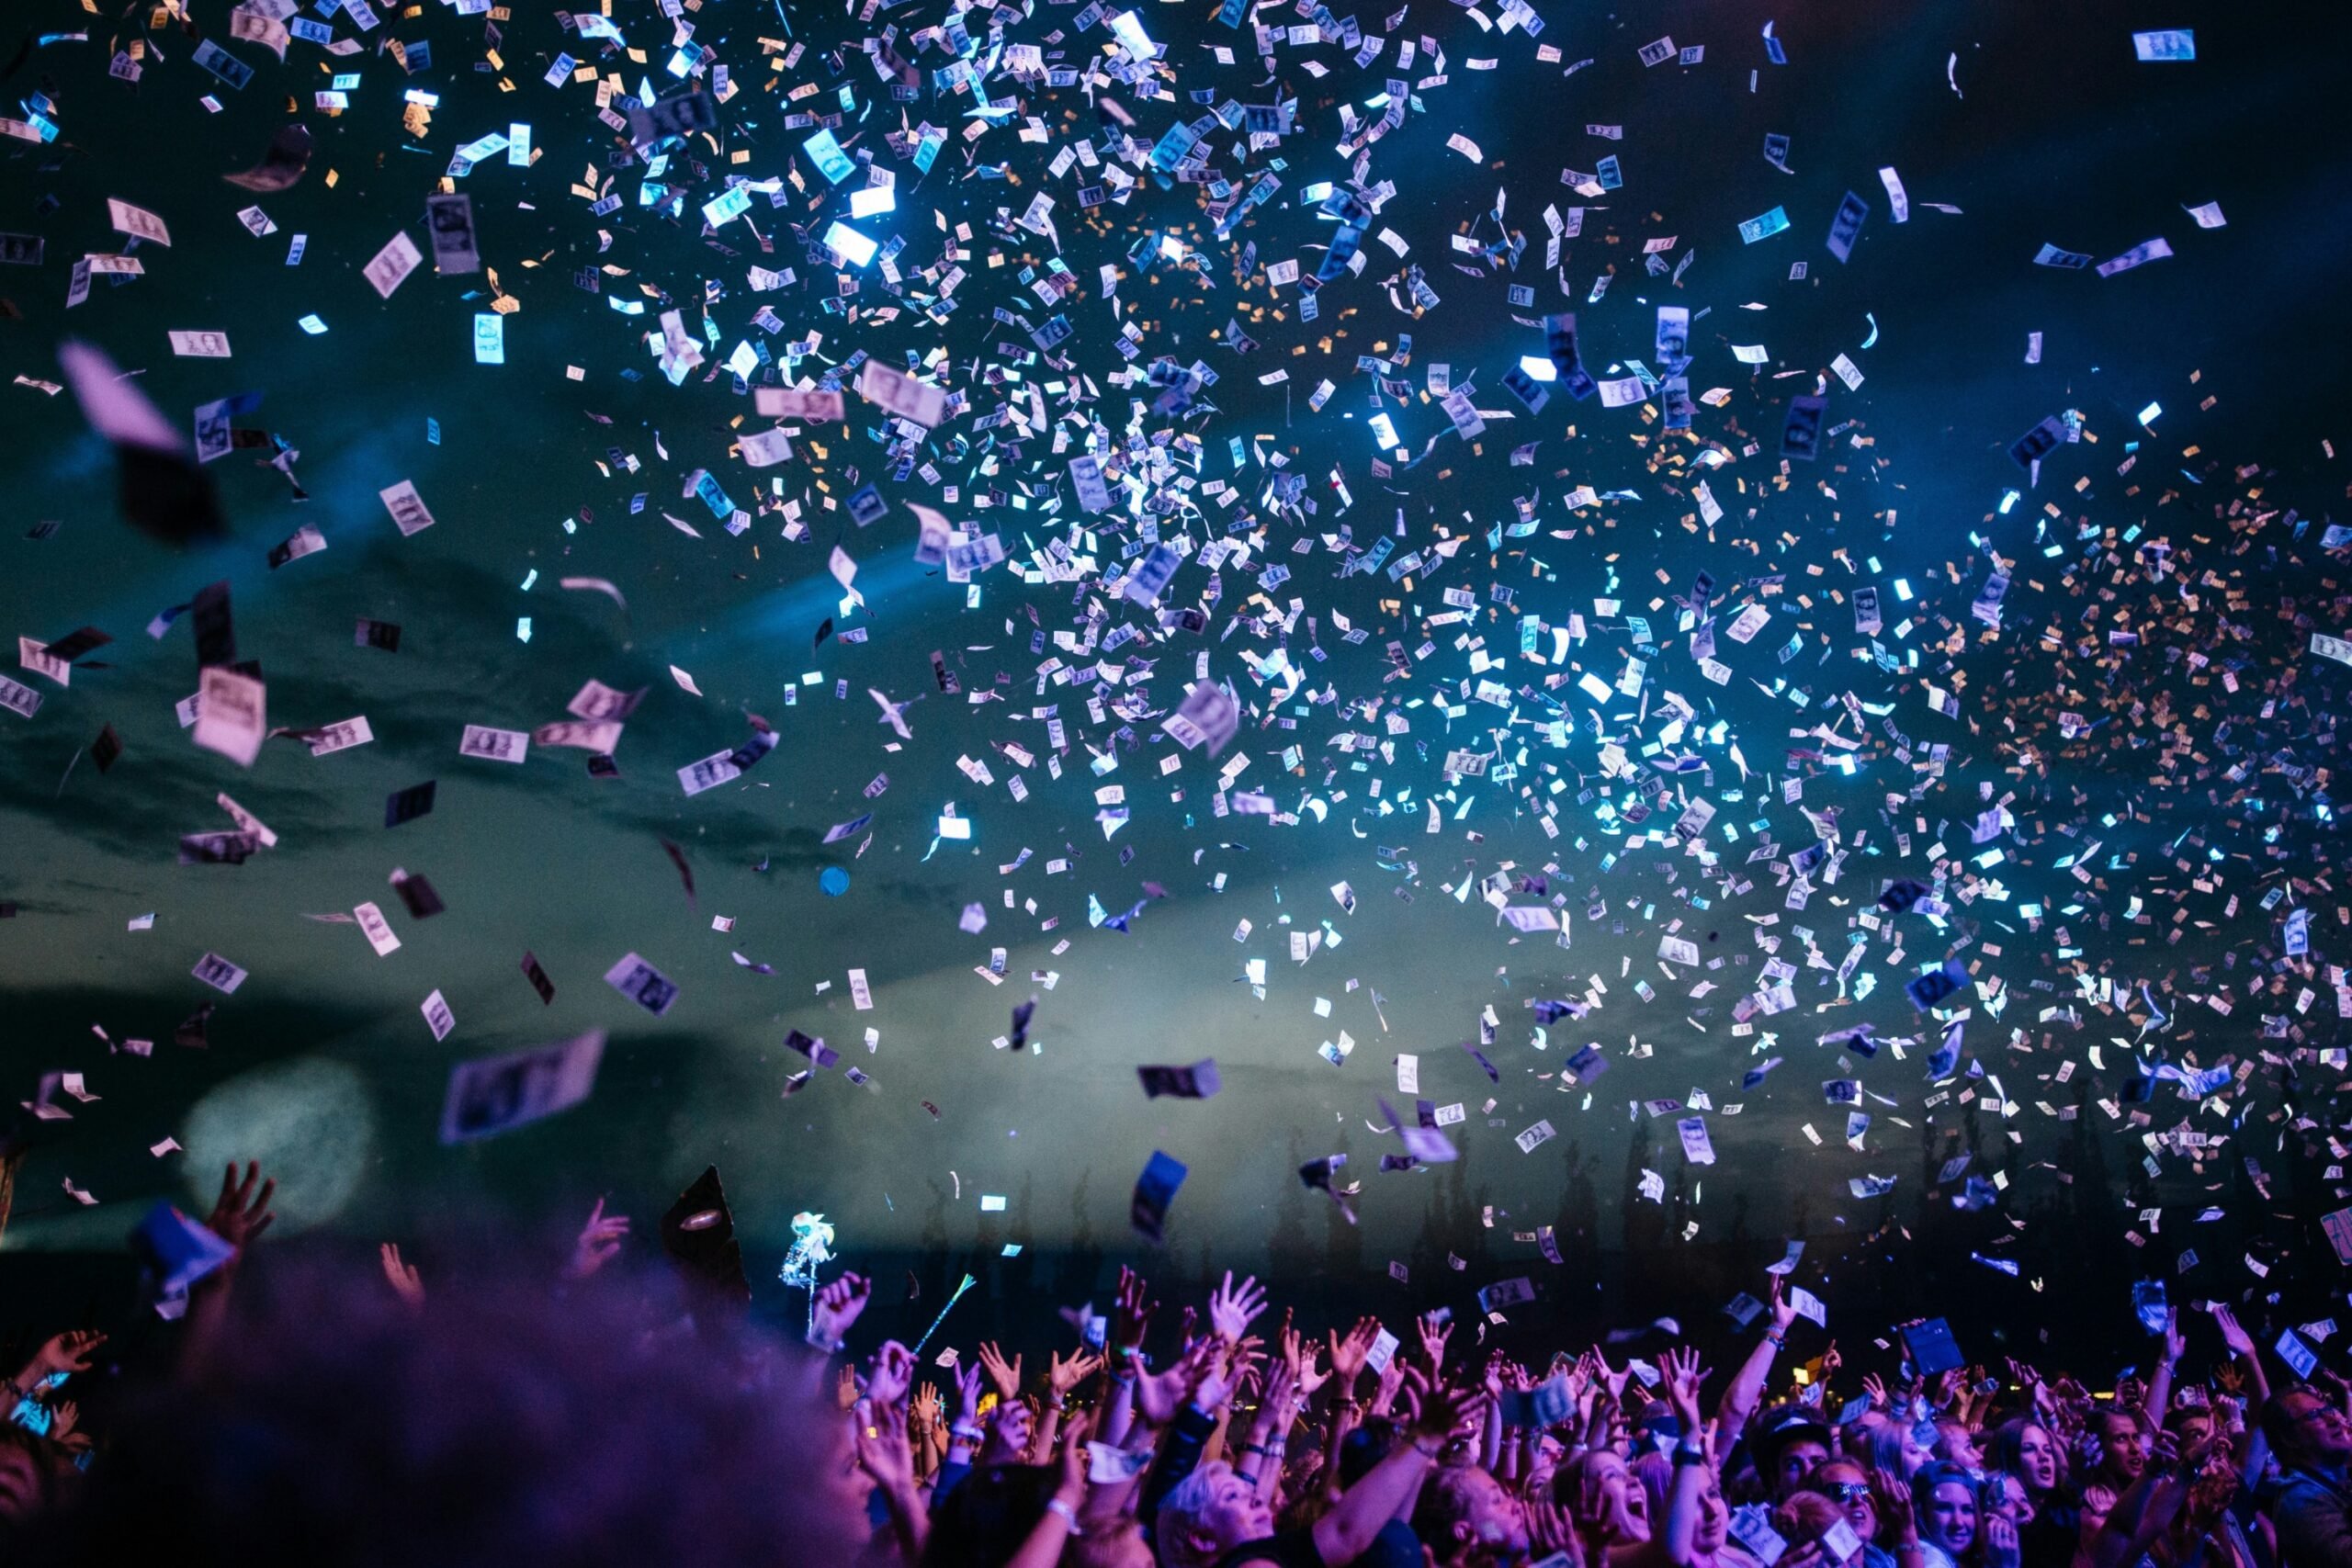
2007, 1451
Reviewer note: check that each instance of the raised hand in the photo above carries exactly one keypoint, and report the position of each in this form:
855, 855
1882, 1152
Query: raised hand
1298, 1358
1347, 1354
2240, 1342
1391, 1379
893, 1370
1006, 1376
883, 1451
927, 1409
1876, 1390
1215, 1387
1296, 1355
1550, 1530
1893, 1496
1283, 1387
1684, 1378
1434, 1334
67, 1352
1441, 1411
405, 1281
1157, 1394
1784, 1312
1063, 1376
968, 1392
1232, 1307
1613, 1382
1069, 1484
599, 1239
241, 1215
838, 1303
1131, 1317
2001, 1542
62, 1417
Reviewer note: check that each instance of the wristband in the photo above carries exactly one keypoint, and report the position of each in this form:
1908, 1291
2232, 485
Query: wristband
1069, 1515
1685, 1454
816, 1340
966, 1431
1057, 1403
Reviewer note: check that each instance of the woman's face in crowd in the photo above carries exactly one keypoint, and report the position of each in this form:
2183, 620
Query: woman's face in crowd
2121, 1451
1014, 1423
1914, 1455
2038, 1458
1957, 1444
1714, 1521
1951, 1518
1842, 1482
1620, 1505
1236, 1514
1495, 1516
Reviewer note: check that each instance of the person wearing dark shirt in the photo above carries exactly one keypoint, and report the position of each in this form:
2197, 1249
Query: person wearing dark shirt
2314, 1513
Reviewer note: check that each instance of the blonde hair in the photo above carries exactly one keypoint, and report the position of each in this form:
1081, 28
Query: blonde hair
1181, 1510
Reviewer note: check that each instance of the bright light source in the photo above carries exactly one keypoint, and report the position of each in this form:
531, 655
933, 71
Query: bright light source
1128, 30
1538, 368
873, 199
849, 246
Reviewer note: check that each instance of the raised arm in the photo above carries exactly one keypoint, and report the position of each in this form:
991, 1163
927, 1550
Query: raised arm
1692, 1470
2147, 1507
1043, 1548
238, 1218
838, 1303
885, 1454
1130, 1321
1269, 1440
1343, 1414
2159, 1396
1061, 1378
1345, 1533
1746, 1391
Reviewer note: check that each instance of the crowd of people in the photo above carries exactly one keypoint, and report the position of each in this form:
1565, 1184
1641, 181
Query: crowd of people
612, 1411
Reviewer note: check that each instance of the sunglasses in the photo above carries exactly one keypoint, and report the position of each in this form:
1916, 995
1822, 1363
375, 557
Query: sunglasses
1851, 1492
